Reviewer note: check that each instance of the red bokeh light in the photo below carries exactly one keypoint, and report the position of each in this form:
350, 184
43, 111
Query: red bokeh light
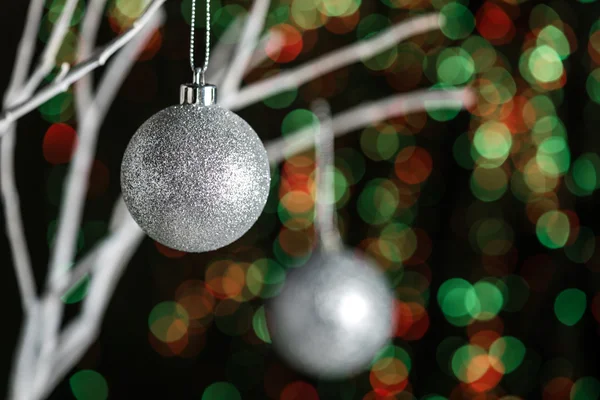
59, 143
292, 44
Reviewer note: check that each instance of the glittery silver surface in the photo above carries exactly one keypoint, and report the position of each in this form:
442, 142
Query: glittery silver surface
195, 178
332, 315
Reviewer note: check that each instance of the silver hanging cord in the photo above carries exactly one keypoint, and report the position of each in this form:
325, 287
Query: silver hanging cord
199, 72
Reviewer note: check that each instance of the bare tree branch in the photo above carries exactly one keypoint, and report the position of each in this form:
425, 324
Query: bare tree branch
34, 375
246, 46
87, 41
367, 48
76, 186
10, 196
83, 331
48, 59
79, 70
25, 51
221, 55
76, 181
25, 355
365, 114
325, 209
14, 225
273, 38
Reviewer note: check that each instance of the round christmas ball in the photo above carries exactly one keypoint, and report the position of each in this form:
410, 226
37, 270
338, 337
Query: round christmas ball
195, 178
332, 315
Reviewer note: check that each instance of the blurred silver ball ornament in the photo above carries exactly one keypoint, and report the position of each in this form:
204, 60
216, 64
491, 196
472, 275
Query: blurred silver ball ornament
195, 177
332, 316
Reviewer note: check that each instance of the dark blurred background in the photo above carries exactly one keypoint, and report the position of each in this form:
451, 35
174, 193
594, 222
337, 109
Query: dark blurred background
412, 193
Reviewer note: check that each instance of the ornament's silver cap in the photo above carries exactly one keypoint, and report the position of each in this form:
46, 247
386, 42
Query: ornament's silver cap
193, 93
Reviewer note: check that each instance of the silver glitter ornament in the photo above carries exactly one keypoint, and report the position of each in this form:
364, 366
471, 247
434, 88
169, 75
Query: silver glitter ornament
195, 177
332, 316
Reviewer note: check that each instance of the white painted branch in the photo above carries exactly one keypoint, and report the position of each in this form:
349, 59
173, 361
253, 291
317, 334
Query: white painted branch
87, 42
79, 70
89, 263
14, 225
365, 114
10, 195
26, 347
76, 185
72, 205
362, 50
48, 59
246, 46
83, 331
221, 54
25, 51
325, 209
272, 38
25, 357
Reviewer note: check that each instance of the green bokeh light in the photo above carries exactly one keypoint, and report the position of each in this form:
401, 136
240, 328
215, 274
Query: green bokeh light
298, 119
221, 391
586, 388
88, 385
545, 64
509, 350
378, 202
553, 156
585, 172
164, 320
493, 140
379, 144
461, 360
592, 85
582, 250
569, 306
555, 38
259, 323
282, 100
265, 278
452, 299
392, 351
455, 66
459, 22
482, 52
553, 229
484, 301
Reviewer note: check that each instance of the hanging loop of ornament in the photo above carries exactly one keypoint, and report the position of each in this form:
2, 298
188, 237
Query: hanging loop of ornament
199, 73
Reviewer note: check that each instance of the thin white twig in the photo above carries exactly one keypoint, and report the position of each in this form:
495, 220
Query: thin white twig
89, 263
79, 70
365, 114
64, 70
48, 59
325, 209
25, 51
245, 48
14, 226
363, 50
87, 41
272, 38
222, 53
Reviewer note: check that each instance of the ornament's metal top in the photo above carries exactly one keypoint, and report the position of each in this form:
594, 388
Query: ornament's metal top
198, 92
203, 95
